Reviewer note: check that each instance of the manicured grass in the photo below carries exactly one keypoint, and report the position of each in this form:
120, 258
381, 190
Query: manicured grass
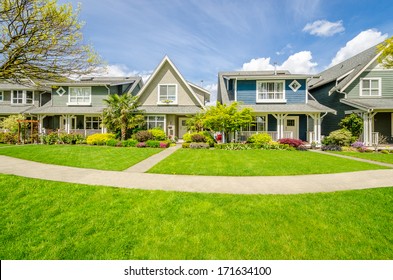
387, 158
53, 220
254, 163
95, 157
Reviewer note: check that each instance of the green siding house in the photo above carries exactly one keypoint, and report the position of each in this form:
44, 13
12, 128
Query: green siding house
358, 85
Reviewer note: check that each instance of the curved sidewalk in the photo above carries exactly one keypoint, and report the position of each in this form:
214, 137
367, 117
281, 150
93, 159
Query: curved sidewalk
209, 184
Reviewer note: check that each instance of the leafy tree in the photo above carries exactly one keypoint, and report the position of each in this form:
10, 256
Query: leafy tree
195, 122
386, 49
122, 113
41, 40
11, 123
353, 123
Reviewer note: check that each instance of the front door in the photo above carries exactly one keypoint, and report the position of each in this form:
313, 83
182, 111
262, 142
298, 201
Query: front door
291, 125
182, 127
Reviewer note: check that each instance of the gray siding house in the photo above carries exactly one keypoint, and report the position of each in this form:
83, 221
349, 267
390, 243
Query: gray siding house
282, 105
358, 85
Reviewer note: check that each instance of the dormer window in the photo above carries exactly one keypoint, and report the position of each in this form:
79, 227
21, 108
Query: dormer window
167, 94
270, 92
370, 87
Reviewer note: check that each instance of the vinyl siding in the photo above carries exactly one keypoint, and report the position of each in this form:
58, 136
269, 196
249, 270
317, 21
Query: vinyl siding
386, 76
98, 93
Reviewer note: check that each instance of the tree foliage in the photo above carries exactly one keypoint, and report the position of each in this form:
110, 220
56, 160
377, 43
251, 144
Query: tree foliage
386, 49
41, 40
11, 123
353, 123
122, 113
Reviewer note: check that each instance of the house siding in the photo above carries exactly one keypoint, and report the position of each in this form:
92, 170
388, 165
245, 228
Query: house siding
353, 91
98, 93
295, 97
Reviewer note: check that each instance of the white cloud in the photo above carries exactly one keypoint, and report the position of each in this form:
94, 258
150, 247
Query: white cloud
300, 63
364, 40
324, 28
212, 88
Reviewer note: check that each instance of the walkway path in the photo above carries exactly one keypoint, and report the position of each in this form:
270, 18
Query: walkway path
211, 184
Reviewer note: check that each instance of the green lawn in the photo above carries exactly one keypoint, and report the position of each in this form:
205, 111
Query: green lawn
387, 158
255, 163
96, 157
52, 220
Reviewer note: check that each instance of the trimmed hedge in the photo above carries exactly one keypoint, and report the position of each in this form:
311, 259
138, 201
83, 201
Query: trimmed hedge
99, 138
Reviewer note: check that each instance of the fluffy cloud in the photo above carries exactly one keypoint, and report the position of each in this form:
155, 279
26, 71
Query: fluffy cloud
324, 28
213, 94
300, 63
364, 40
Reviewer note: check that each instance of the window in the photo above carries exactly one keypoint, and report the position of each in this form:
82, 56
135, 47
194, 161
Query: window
370, 87
270, 91
79, 96
155, 121
258, 124
167, 94
92, 122
1, 96
22, 97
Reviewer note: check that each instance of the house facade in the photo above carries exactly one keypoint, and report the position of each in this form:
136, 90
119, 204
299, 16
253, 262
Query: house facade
358, 85
280, 100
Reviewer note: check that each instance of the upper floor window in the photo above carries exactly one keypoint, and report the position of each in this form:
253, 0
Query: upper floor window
79, 96
370, 87
22, 97
270, 91
167, 94
1, 96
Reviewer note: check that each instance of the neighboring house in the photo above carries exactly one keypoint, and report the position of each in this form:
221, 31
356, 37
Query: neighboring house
77, 106
282, 105
358, 85
167, 99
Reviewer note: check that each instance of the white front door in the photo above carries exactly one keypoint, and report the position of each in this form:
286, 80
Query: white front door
291, 124
182, 127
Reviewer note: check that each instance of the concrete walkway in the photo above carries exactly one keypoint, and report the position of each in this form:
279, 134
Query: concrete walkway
209, 184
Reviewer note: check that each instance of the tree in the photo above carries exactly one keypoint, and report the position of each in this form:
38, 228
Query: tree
353, 123
386, 49
11, 123
195, 122
41, 40
122, 113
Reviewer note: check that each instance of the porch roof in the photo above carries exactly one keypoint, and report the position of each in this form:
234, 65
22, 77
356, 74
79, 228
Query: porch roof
311, 107
8, 110
170, 109
83, 110
370, 103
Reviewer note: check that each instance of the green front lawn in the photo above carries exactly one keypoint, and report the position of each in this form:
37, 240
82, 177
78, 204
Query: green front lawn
255, 163
387, 158
95, 157
52, 220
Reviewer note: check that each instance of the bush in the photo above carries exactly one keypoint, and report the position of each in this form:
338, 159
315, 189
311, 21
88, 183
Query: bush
164, 144
209, 138
141, 145
260, 139
51, 138
112, 142
185, 145
153, 144
233, 146
301, 148
130, 143
331, 147
158, 134
198, 145
143, 136
8, 138
340, 137
71, 138
385, 152
198, 137
291, 142
187, 138
357, 145
99, 138
352, 123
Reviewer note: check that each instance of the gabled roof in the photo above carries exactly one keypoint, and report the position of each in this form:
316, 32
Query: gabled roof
345, 72
187, 84
369, 103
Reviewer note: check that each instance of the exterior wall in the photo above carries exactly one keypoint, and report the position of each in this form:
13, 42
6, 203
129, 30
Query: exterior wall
200, 94
98, 93
386, 76
383, 124
7, 95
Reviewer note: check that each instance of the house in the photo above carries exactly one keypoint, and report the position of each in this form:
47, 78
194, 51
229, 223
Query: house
358, 85
167, 99
281, 103
77, 106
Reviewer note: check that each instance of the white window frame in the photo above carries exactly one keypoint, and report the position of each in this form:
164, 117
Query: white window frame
159, 94
1, 96
92, 121
370, 89
23, 98
257, 126
80, 103
271, 100
155, 121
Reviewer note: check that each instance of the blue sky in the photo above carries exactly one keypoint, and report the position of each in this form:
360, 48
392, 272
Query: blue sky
203, 37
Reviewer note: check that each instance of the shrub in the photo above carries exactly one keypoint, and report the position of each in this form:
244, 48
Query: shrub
185, 145
291, 142
357, 145
143, 136
8, 138
130, 143
198, 137
233, 146
301, 148
340, 137
153, 144
112, 142
71, 138
352, 123
198, 145
141, 145
187, 138
385, 152
260, 139
99, 138
164, 144
51, 138
331, 147
209, 138
158, 134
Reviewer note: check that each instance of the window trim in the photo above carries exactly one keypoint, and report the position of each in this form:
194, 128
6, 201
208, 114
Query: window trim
370, 79
79, 103
24, 97
281, 100
92, 116
1, 96
147, 121
159, 94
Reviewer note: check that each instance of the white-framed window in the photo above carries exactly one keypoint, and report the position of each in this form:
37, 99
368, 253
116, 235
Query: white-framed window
1, 96
370, 87
22, 97
259, 123
270, 91
167, 94
79, 96
92, 122
155, 121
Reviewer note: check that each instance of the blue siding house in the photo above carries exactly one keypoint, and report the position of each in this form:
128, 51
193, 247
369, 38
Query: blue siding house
280, 100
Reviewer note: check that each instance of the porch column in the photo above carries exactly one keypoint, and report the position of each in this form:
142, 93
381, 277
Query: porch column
368, 121
280, 125
317, 127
